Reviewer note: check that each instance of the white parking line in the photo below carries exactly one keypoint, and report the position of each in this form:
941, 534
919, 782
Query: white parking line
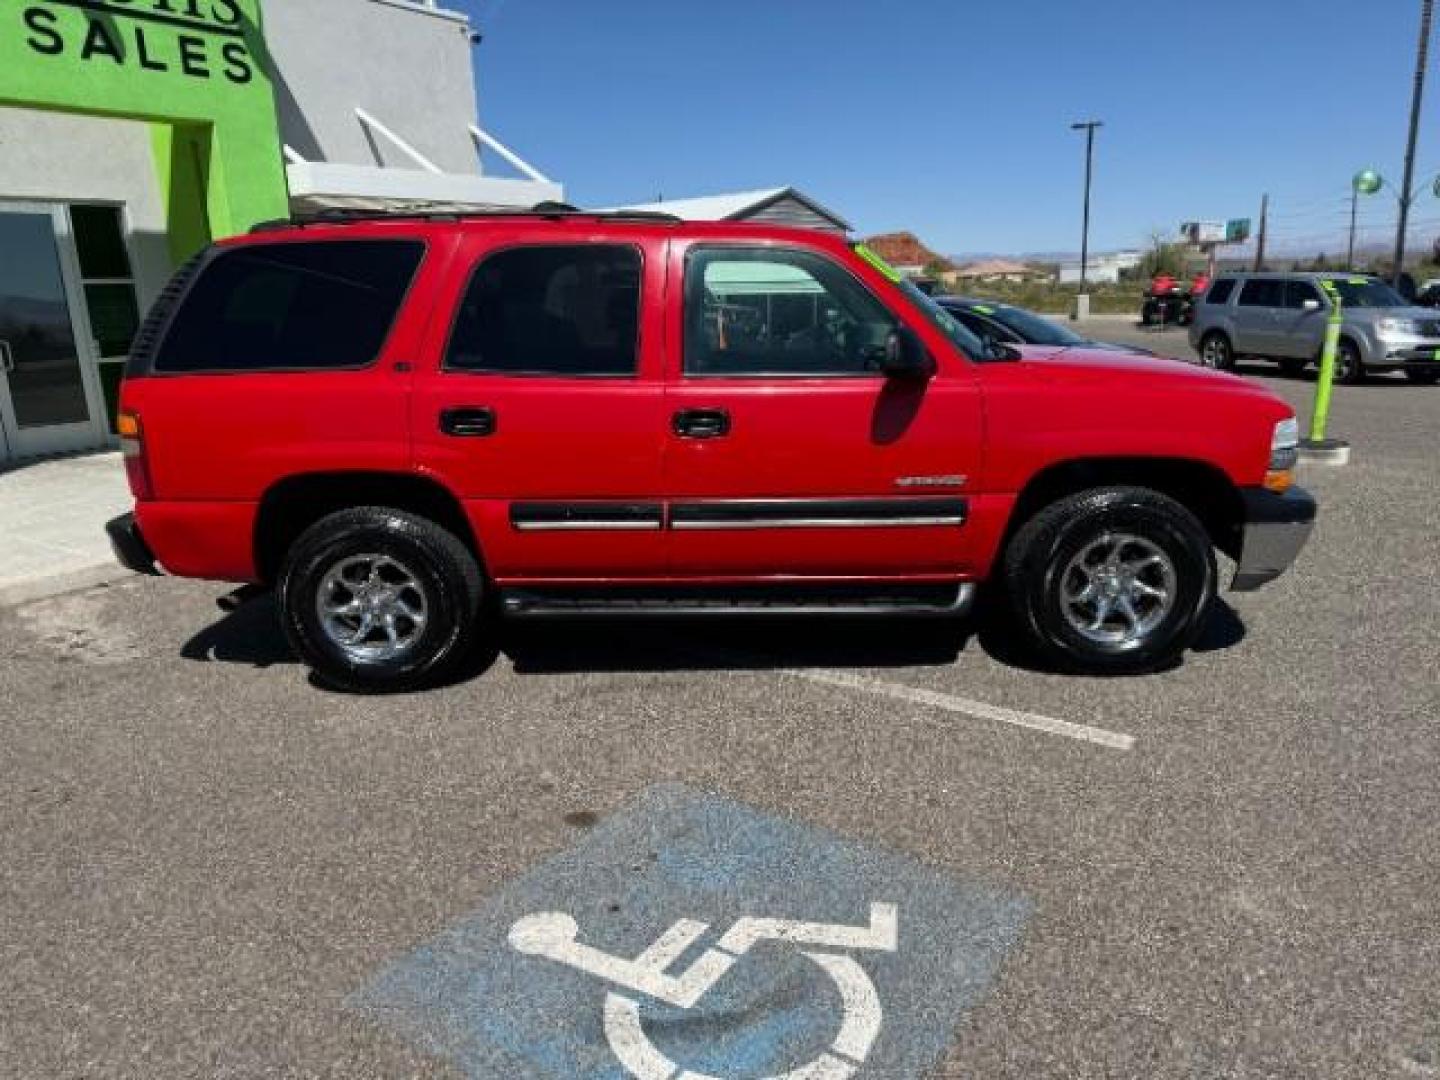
978, 709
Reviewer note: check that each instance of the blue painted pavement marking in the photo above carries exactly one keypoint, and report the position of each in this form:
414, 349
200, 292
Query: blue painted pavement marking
691, 936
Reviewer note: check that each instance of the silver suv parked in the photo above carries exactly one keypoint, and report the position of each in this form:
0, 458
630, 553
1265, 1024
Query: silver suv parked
1281, 317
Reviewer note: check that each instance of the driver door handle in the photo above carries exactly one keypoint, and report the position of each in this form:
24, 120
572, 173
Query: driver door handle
701, 423
470, 422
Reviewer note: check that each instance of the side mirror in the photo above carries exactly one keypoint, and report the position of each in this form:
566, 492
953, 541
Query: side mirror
904, 356
1310, 305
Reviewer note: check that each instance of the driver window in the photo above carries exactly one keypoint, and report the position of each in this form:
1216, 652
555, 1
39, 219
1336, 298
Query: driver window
1297, 292
778, 312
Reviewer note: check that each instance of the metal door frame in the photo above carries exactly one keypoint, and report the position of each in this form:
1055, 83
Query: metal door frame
17, 442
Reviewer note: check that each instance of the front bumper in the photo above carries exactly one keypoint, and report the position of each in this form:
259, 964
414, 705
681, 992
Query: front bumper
131, 550
1275, 528
1413, 356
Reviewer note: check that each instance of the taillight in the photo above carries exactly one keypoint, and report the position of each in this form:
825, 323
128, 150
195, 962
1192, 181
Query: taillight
132, 449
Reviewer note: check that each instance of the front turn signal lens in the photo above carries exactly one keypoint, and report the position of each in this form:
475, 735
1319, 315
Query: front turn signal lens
1279, 480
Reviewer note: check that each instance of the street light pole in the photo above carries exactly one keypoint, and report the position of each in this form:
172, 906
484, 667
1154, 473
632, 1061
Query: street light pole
1422, 53
1089, 126
1354, 210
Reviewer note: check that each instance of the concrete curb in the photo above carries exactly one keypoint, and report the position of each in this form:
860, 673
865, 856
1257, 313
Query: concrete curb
70, 581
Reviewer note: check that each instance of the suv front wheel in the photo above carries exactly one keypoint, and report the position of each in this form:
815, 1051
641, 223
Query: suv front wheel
378, 599
1111, 581
1216, 351
1349, 368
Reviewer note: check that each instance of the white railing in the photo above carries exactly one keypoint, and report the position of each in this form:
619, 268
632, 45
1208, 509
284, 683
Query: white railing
395, 140
485, 138
477, 135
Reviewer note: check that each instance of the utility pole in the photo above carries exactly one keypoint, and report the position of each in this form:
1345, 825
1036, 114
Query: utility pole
1422, 53
1354, 211
1264, 225
1082, 305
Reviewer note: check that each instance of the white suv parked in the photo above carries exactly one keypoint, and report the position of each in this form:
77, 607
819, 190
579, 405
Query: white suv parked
1282, 317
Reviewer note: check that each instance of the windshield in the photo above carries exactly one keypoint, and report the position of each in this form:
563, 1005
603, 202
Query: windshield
946, 323
934, 314
1366, 293
1030, 327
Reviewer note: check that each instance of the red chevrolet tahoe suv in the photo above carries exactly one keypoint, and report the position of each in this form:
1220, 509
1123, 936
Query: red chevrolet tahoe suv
412, 425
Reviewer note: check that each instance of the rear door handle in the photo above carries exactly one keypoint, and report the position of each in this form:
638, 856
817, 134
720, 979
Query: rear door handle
701, 423
467, 423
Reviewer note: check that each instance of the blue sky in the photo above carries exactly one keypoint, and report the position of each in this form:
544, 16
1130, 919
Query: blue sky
951, 117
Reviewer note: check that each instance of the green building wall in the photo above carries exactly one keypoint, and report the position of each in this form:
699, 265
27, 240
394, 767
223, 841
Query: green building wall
196, 70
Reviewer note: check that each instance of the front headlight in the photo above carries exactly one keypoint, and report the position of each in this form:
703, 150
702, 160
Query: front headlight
1398, 328
1284, 454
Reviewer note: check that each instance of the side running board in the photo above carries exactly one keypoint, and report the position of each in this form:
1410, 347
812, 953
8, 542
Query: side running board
697, 602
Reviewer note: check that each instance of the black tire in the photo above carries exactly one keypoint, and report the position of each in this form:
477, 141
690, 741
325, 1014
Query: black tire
1293, 366
1217, 352
1039, 563
1423, 376
447, 590
1349, 370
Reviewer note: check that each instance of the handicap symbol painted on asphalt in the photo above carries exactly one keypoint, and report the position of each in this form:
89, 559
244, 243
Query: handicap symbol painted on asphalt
690, 937
552, 935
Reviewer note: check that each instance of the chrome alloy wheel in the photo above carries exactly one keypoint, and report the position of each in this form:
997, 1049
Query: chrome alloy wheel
1215, 353
371, 607
1117, 590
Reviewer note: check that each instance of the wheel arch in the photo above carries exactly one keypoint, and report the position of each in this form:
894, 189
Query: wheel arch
292, 505
1352, 339
1203, 488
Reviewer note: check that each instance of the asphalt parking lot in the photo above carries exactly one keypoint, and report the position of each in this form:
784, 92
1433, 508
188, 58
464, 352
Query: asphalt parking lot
214, 868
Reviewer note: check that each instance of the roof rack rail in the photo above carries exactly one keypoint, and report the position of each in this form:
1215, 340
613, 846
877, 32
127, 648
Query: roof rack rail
340, 215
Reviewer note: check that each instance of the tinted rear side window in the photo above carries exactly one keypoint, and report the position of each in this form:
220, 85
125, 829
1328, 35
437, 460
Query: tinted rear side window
562, 310
1220, 292
294, 306
1262, 293
1297, 292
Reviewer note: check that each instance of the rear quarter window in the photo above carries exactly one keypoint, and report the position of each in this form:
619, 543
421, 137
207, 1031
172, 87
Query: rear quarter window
294, 306
1262, 292
1221, 291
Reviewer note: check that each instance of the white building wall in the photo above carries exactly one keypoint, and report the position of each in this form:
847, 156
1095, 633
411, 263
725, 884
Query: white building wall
407, 64
58, 157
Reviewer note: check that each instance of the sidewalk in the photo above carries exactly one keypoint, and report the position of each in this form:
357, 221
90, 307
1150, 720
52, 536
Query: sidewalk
52, 524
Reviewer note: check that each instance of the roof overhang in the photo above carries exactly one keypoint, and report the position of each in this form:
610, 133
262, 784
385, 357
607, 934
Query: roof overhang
315, 185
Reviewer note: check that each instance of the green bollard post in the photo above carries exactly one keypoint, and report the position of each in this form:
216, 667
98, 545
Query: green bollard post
1317, 447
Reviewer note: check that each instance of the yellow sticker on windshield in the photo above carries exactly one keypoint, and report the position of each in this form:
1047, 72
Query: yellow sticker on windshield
1358, 281
985, 309
873, 258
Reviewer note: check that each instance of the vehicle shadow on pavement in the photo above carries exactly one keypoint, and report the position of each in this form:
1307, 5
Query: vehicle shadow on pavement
734, 644
249, 633
997, 636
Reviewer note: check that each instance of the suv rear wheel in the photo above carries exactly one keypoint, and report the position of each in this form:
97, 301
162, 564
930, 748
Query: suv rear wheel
378, 599
1216, 351
1111, 581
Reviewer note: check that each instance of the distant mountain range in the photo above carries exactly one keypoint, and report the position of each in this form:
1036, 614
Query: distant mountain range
1421, 242
1028, 256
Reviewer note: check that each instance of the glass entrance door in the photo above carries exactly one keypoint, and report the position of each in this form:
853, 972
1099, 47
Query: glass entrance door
47, 394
